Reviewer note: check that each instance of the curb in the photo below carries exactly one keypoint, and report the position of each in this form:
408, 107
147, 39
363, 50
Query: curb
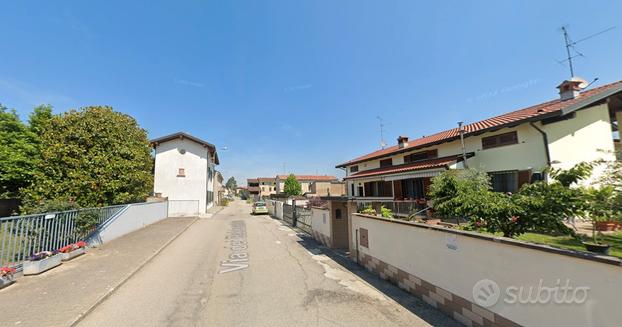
111, 291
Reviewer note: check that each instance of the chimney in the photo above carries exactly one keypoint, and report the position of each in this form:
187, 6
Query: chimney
402, 141
570, 89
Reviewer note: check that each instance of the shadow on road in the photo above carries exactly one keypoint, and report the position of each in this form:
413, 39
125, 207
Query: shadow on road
410, 302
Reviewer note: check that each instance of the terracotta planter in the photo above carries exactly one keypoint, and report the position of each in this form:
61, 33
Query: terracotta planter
433, 221
37, 267
75, 253
607, 226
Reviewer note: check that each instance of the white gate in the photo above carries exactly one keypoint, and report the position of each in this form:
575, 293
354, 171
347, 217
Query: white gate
181, 208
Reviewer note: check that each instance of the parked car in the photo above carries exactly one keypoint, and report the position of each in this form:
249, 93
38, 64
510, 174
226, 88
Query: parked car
259, 208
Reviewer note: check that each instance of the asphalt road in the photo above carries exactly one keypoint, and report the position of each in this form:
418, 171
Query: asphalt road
235, 269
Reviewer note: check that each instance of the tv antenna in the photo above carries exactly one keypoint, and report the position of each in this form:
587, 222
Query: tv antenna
382, 143
571, 50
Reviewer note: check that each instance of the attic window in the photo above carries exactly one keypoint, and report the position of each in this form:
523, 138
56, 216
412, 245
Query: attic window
354, 169
181, 172
422, 155
499, 140
386, 162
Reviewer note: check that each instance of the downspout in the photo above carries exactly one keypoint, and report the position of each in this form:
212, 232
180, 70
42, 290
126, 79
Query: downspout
545, 140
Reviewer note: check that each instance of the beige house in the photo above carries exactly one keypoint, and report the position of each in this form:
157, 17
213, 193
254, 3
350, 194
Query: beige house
252, 186
514, 148
267, 186
321, 188
304, 180
219, 188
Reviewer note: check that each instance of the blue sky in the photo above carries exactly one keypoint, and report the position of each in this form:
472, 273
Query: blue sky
298, 84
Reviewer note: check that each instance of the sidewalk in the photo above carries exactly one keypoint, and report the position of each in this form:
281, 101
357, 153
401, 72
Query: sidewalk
59, 296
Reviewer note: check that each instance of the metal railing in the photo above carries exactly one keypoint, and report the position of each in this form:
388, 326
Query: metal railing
399, 208
22, 236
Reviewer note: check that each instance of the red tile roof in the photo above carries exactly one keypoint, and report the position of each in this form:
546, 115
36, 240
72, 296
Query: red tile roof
540, 111
310, 177
420, 165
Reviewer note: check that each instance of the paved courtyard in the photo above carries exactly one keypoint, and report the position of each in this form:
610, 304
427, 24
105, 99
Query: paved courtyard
232, 269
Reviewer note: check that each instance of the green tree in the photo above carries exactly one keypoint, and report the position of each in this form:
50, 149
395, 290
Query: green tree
17, 154
231, 184
292, 186
40, 119
93, 157
537, 207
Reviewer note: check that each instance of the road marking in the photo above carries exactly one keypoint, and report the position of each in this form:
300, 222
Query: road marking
238, 259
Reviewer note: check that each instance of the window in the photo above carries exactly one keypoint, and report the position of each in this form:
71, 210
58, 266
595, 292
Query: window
337, 213
181, 172
354, 169
423, 155
386, 163
352, 189
380, 188
504, 181
499, 140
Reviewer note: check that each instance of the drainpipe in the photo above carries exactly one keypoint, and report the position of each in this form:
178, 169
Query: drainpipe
545, 140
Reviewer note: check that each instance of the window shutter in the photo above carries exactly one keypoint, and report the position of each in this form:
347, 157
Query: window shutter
524, 177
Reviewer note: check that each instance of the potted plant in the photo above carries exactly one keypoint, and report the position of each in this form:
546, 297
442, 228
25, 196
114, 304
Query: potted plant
40, 262
72, 250
7, 276
368, 210
600, 207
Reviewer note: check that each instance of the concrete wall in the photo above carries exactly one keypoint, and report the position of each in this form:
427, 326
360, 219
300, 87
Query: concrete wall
448, 265
320, 221
195, 161
328, 188
133, 217
570, 142
278, 209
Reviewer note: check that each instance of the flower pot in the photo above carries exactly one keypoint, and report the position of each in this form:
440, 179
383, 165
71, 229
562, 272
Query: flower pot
6, 281
37, 267
75, 253
607, 226
597, 248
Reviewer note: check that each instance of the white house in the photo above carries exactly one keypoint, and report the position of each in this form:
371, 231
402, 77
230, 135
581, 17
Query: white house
514, 148
184, 173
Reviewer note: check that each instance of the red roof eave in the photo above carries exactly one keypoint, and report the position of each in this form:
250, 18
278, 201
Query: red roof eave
415, 166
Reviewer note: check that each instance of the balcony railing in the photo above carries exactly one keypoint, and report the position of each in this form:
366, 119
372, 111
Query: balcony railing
403, 208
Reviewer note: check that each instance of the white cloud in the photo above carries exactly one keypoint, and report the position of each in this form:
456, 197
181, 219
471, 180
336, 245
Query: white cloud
188, 83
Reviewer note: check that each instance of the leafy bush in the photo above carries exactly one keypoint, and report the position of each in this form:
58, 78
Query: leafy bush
386, 212
368, 210
85, 222
537, 207
602, 204
224, 202
54, 205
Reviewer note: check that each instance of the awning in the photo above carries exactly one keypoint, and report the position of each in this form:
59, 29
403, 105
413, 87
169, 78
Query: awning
425, 168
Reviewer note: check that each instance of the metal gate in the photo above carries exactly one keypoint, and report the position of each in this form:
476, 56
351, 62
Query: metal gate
288, 213
303, 219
